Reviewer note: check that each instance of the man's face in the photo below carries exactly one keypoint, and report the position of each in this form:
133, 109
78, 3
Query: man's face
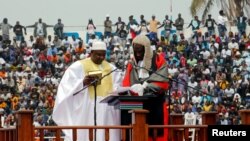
139, 51
241, 14
179, 16
97, 56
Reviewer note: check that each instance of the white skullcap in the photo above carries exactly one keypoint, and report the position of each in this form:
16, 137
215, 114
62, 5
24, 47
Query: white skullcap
98, 45
216, 45
116, 49
116, 44
82, 56
237, 53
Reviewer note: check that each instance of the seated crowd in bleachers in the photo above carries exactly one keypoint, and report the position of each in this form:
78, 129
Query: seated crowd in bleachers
209, 71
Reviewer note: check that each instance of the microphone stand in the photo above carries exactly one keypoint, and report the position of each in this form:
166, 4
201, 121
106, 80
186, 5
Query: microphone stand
169, 99
94, 84
95, 99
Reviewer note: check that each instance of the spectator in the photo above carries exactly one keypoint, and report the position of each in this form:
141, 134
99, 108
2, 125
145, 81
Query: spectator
107, 27
222, 20
90, 29
210, 24
195, 23
5, 26
241, 23
122, 33
18, 30
153, 23
58, 29
143, 29
167, 23
119, 24
40, 28
142, 19
179, 23
132, 27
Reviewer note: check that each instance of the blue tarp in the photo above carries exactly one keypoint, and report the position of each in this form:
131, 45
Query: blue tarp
97, 34
70, 34
163, 32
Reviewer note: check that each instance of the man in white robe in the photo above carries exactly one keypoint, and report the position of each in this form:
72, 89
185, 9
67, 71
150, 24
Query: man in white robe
73, 109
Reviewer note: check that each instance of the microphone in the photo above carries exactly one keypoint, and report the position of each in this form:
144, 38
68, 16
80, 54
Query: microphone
121, 66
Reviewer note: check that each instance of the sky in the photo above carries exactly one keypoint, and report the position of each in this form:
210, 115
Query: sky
77, 12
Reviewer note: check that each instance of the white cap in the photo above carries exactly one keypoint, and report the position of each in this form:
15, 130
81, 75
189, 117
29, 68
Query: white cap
237, 53
60, 52
82, 56
116, 49
116, 44
98, 45
216, 45
107, 15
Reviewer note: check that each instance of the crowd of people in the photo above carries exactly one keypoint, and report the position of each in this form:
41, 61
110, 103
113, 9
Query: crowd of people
208, 71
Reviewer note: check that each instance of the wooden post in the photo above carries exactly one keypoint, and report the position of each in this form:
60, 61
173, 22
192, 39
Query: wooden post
176, 134
208, 118
176, 119
25, 129
140, 127
1, 115
245, 116
1, 126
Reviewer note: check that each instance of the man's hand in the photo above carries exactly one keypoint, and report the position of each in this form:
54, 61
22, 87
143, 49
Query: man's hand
89, 79
137, 88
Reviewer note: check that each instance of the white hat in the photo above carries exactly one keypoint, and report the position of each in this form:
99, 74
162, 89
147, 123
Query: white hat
116, 49
82, 56
237, 53
116, 44
98, 45
60, 52
27, 69
107, 15
216, 45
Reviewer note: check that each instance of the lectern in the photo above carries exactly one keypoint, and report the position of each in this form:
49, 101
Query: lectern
245, 116
126, 103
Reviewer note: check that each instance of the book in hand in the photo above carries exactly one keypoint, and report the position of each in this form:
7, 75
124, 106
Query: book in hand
97, 75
